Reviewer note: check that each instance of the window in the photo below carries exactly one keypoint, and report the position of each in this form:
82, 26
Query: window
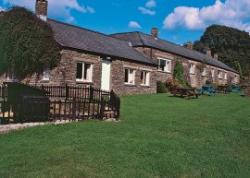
129, 76
46, 74
84, 72
10, 77
235, 80
220, 74
192, 69
225, 76
165, 65
204, 72
145, 78
213, 73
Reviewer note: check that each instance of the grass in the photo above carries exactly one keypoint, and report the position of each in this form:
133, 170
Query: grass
158, 136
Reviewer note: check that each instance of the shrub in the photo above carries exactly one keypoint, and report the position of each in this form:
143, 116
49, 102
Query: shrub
208, 82
179, 75
161, 87
27, 44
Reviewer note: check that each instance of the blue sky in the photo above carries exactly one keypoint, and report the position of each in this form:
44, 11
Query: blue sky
178, 21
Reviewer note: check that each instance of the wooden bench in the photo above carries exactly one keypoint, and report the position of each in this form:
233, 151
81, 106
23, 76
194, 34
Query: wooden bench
222, 89
184, 92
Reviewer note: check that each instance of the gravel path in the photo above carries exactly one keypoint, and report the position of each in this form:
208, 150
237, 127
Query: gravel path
11, 127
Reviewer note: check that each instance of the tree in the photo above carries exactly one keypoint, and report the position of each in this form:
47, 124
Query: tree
27, 44
179, 75
232, 46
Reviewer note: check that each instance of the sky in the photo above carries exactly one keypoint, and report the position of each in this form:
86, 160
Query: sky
178, 21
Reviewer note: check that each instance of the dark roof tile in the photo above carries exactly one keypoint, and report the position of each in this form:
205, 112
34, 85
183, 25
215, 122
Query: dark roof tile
141, 39
83, 39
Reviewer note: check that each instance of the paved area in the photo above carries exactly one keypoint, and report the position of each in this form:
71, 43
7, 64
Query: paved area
12, 127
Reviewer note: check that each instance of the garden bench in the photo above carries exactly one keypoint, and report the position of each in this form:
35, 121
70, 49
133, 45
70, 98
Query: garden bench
222, 89
184, 92
207, 89
235, 89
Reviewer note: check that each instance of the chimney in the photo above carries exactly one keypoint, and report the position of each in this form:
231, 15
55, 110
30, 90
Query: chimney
216, 56
208, 51
189, 45
42, 9
154, 32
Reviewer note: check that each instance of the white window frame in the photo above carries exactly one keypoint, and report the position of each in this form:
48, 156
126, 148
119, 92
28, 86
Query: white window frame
146, 78
10, 77
204, 72
46, 74
192, 68
226, 76
131, 76
220, 74
235, 80
213, 73
167, 67
89, 78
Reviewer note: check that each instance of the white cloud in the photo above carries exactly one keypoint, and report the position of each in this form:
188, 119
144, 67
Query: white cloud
231, 13
148, 8
60, 9
146, 11
150, 4
2, 9
134, 24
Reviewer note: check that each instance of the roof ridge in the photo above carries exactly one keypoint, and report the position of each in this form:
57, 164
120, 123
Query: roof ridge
139, 35
194, 51
204, 58
86, 29
119, 33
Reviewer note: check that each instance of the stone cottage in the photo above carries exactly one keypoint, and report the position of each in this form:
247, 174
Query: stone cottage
128, 63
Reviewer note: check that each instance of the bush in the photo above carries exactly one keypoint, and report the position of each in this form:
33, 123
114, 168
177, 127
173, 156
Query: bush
161, 87
179, 76
208, 82
27, 44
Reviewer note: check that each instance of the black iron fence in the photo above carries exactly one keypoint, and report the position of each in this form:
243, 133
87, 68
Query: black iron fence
3, 91
23, 103
70, 92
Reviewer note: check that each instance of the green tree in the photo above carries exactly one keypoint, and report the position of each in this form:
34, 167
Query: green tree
232, 46
27, 44
179, 75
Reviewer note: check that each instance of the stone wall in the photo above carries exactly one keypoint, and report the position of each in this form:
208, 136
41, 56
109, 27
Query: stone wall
65, 73
118, 76
195, 80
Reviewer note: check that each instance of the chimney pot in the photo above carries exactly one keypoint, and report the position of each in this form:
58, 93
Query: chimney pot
42, 9
208, 51
189, 45
216, 56
154, 32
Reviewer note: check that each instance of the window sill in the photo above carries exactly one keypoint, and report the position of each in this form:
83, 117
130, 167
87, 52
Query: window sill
44, 81
129, 84
166, 72
147, 86
84, 82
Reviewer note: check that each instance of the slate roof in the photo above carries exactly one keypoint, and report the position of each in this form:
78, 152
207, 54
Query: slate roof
140, 39
83, 39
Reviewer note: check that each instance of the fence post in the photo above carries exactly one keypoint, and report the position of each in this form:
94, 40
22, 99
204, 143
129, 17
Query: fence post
67, 91
102, 108
91, 93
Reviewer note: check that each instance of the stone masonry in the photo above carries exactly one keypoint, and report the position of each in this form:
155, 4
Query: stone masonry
197, 79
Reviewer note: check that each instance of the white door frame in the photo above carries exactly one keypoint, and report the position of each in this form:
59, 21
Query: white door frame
106, 75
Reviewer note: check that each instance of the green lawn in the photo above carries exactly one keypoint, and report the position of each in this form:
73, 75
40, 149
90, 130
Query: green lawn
158, 136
